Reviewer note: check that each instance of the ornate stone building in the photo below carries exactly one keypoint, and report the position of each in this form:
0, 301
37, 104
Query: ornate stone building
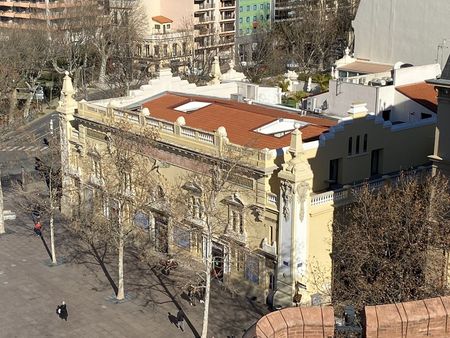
276, 237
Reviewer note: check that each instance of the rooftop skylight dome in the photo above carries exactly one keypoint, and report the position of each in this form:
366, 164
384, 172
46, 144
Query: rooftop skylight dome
281, 127
192, 106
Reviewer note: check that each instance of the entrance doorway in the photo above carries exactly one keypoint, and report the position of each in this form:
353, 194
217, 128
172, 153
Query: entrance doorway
217, 253
161, 233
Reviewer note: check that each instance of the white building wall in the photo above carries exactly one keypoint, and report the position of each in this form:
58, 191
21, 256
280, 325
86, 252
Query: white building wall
410, 31
342, 95
407, 110
404, 76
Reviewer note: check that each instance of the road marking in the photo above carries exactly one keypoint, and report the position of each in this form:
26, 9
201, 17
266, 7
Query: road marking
44, 148
13, 148
21, 148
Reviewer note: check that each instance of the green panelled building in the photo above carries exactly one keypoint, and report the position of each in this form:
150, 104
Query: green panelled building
252, 14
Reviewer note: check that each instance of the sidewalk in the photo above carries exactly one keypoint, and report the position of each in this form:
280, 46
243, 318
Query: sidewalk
30, 290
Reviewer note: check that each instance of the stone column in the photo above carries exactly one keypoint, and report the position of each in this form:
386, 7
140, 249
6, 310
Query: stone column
293, 225
66, 109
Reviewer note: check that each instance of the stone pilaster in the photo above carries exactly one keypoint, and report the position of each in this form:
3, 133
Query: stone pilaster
293, 225
66, 109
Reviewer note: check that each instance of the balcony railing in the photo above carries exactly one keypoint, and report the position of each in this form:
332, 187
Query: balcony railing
346, 195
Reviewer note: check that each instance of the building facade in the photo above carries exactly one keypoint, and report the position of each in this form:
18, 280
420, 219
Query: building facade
214, 23
165, 46
276, 238
253, 17
26, 14
386, 30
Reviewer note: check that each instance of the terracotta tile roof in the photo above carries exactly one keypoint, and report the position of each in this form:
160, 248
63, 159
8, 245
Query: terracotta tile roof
423, 93
161, 19
364, 67
239, 119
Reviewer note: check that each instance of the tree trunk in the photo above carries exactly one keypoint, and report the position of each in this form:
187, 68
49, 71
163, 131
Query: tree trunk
2, 221
207, 286
120, 290
102, 75
26, 107
52, 236
12, 102
52, 228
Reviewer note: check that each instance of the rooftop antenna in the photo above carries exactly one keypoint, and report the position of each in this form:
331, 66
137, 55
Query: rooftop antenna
440, 48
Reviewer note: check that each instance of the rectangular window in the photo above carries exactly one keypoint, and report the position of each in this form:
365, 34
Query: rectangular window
165, 50
247, 19
357, 144
248, 7
268, 6
375, 162
147, 50
238, 259
141, 220
262, 17
156, 48
365, 143
255, 7
182, 237
241, 20
350, 145
267, 16
252, 269
261, 6
254, 18
241, 8
158, 27
334, 171
127, 182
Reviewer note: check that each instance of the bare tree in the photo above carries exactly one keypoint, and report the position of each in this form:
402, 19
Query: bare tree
260, 56
72, 43
208, 203
390, 245
26, 54
312, 37
44, 203
123, 179
117, 33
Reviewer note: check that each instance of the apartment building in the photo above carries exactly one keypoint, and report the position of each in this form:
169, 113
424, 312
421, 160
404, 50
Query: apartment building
299, 169
36, 12
214, 23
165, 46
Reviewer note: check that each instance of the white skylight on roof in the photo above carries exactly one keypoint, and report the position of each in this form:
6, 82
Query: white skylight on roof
280, 127
192, 106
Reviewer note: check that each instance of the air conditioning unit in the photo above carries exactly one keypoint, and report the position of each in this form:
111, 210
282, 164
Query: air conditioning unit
311, 104
237, 97
317, 110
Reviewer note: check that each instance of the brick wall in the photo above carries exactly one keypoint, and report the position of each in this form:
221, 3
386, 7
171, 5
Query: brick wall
428, 317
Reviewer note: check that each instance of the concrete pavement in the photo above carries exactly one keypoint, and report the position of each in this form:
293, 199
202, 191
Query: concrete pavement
30, 290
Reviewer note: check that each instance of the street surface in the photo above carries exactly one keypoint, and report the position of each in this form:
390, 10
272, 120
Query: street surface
17, 147
30, 289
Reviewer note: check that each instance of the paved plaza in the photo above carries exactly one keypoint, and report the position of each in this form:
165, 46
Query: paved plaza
30, 290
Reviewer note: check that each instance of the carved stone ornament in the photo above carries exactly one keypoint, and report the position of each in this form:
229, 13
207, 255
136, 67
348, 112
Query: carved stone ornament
302, 190
286, 194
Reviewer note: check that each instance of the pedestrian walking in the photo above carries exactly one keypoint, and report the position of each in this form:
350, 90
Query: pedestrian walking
180, 320
191, 294
37, 228
61, 310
